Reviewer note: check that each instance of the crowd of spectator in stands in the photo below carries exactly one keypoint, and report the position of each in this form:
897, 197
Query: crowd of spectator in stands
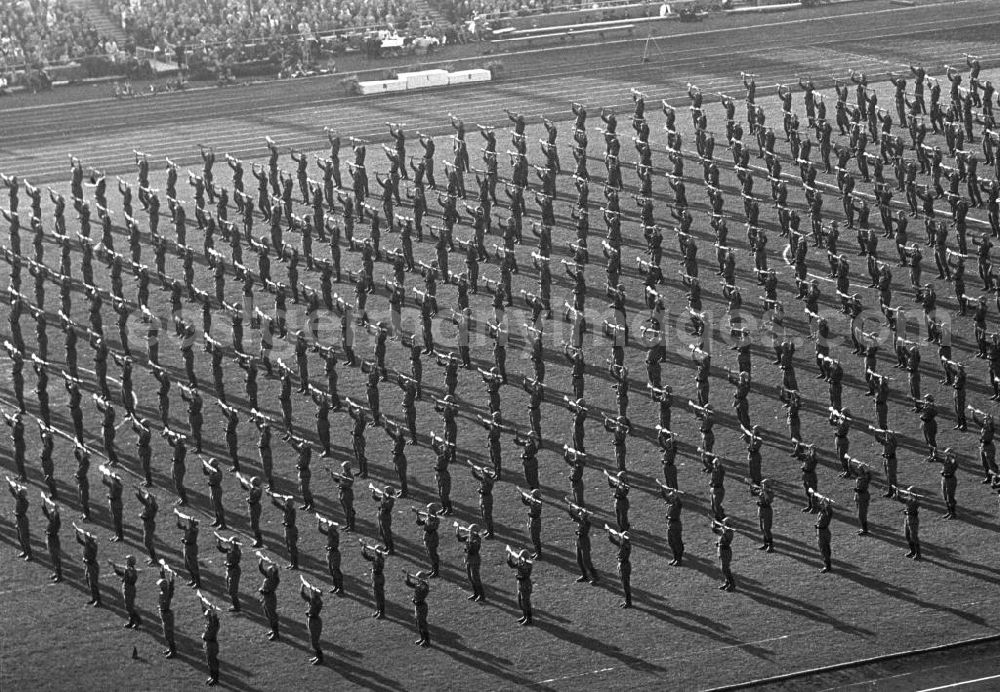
465, 10
250, 29
37, 33
482, 12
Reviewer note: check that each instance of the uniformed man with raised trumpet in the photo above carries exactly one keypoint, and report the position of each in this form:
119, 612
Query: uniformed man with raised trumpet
533, 501
50, 510
330, 529
620, 427
189, 540
725, 550
862, 480
841, 420
113, 482
887, 438
987, 448
210, 639
286, 503
472, 542
345, 493
399, 462
522, 565
20, 494
429, 519
810, 479
675, 539
386, 498
623, 541
91, 566
164, 598
619, 493
421, 587
576, 460
213, 474
376, 553
313, 596
128, 575
823, 529
268, 592
252, 486
911, 521
949, 465
232, 548
581, 517
765, 513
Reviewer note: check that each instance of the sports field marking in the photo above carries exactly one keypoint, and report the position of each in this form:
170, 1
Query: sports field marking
963, 683
886, 678
787, 635
689, 652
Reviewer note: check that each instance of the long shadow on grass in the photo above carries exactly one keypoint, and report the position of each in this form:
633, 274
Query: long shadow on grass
798, 551
367, 678
855, 575
544, 622
767, 597
702, 626
485, 661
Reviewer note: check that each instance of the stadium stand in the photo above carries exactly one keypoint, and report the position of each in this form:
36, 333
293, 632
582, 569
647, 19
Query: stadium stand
36, 35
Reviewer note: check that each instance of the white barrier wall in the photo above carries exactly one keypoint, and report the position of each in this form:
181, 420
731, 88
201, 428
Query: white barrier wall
406, 81
466, 76
381, 86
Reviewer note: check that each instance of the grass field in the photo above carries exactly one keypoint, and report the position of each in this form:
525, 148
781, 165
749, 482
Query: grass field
683, 632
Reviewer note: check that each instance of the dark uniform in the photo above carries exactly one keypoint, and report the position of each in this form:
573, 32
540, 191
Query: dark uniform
190, 543
52, 541
486, 482
314, 597
430, 522
377, 557
809, 479
581, 517
268, 595
861, 498
91, 568
823, 533
386, 501
291, 531
624, 543
523, 567
718, 489
20, 495
116, 505
911, 522
345, 493
949, 465
210, 638
420, 588
473, 544
534, 525
725, 550
333, 555
234, 554
129, 576
765, 514
675, 537
163, 600
254, 494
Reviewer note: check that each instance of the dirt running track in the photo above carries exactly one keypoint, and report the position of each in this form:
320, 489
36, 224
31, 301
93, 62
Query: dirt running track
872, 36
